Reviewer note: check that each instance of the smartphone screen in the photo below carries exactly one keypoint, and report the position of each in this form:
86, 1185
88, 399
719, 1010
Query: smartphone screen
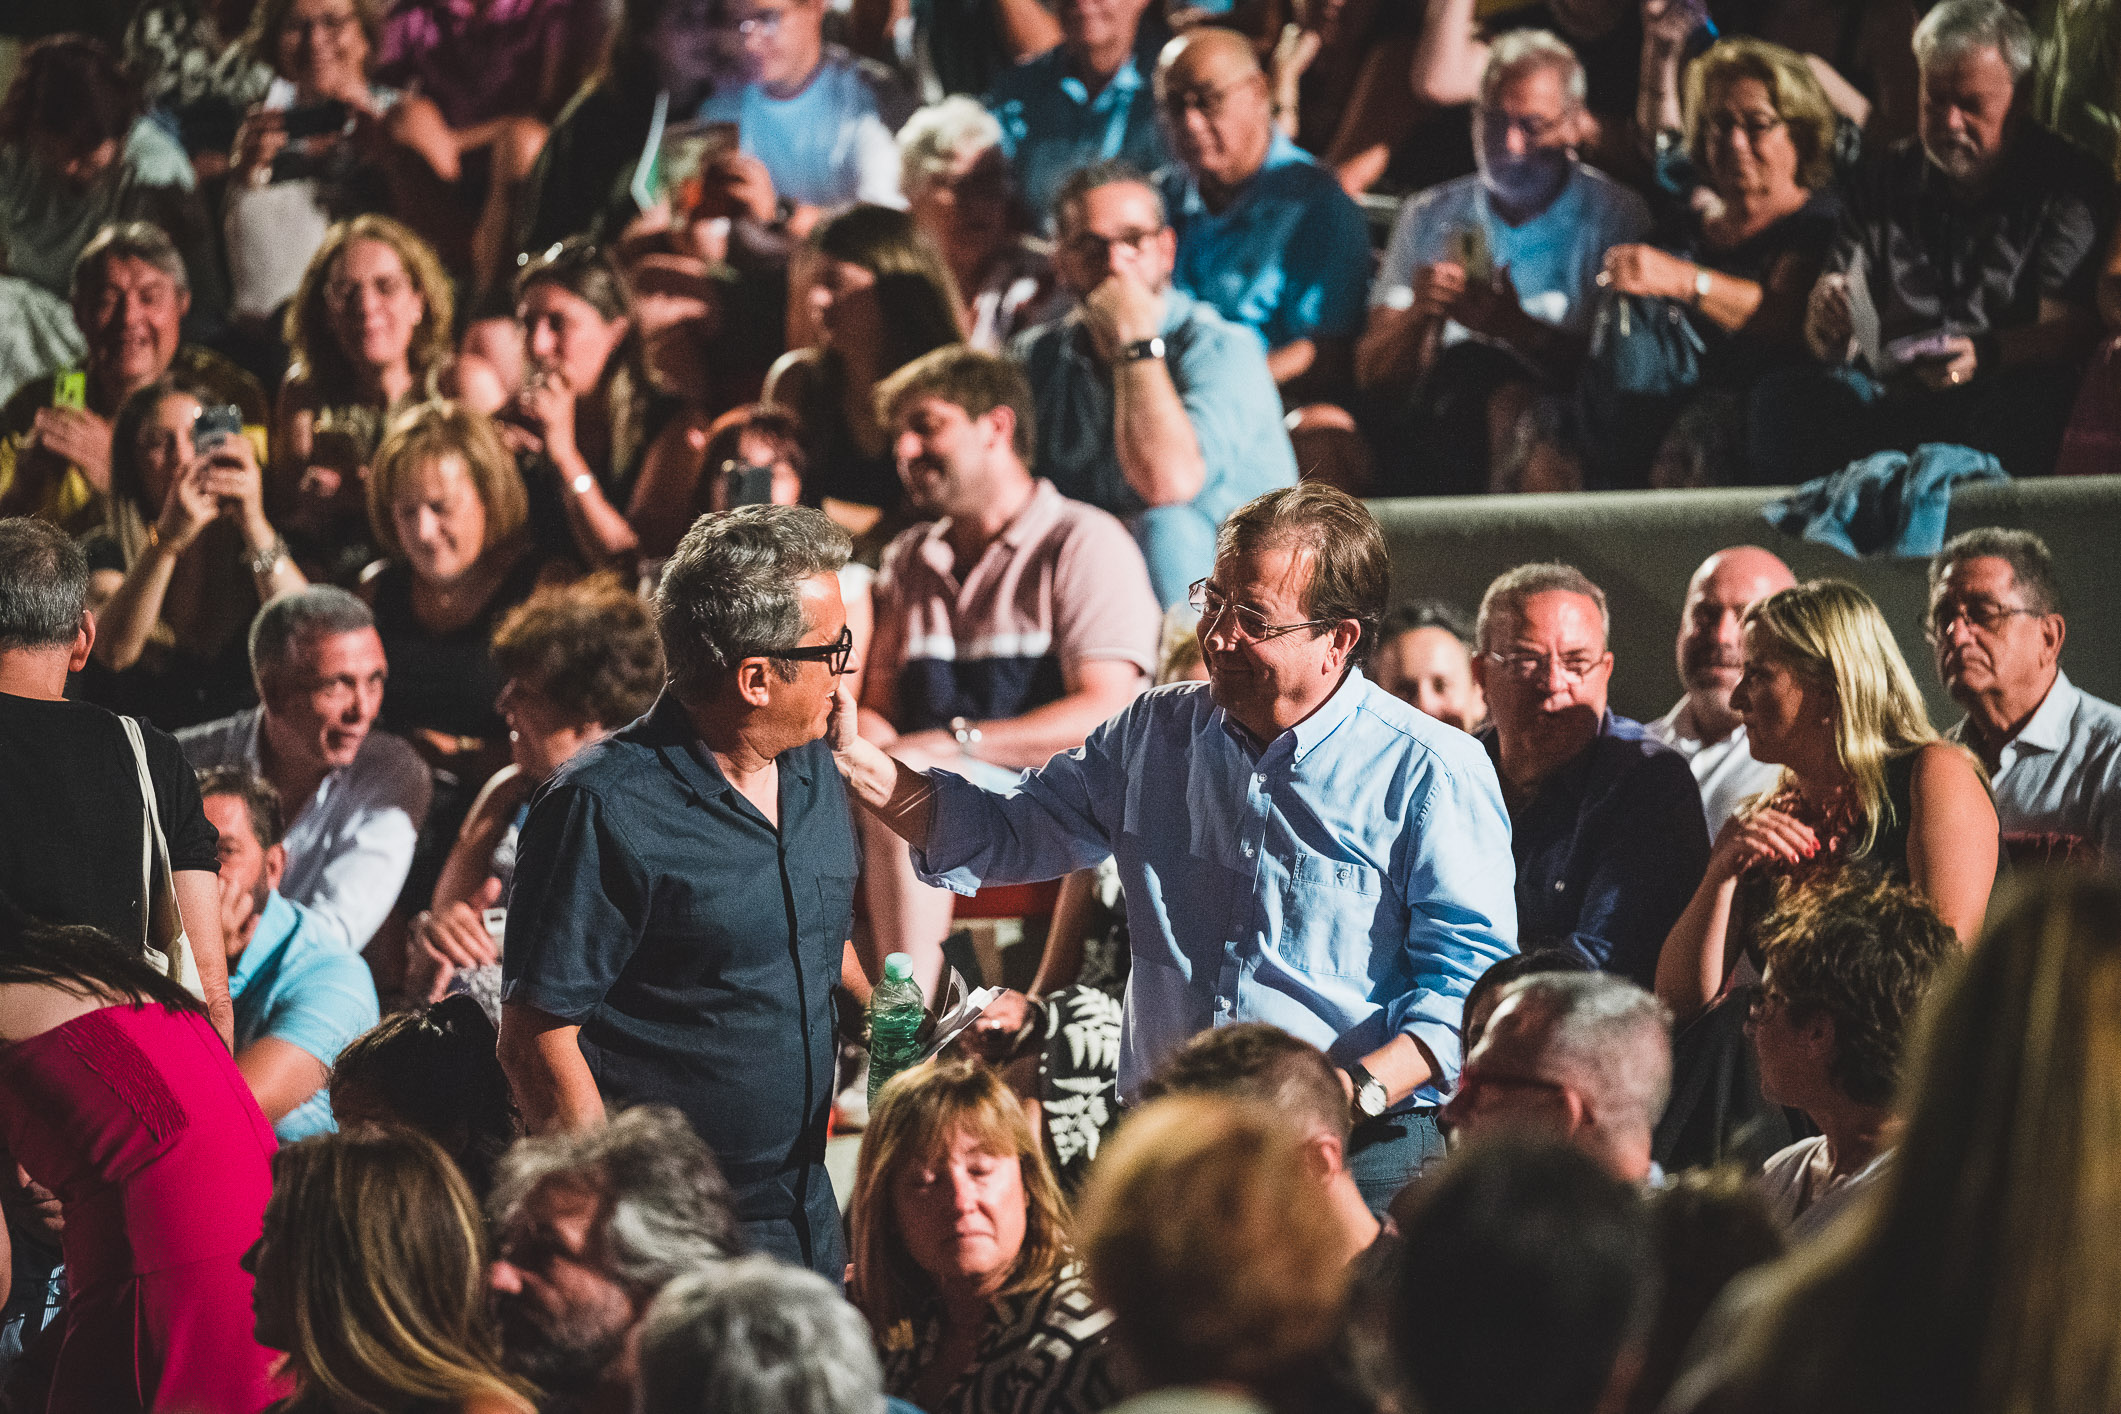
70, 389
215, 425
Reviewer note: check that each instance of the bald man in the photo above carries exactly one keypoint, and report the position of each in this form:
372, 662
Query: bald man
1710, 653
1265, 234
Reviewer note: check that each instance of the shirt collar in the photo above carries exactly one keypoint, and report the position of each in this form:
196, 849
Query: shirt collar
1280, 153
1324, 720
276, 925
1031, 519
1124, 82
1562, 209
669, 728
2048, 728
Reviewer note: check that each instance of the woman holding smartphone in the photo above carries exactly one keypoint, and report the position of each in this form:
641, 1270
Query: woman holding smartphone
184, 558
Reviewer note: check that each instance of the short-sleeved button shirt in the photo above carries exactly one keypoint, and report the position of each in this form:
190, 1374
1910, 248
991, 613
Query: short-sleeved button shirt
1052, 124
694, 944
297, 983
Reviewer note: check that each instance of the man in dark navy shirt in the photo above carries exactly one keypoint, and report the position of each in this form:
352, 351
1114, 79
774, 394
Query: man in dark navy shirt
684, 888
1605, 823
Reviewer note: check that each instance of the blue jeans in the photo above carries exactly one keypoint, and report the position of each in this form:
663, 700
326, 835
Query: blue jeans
1385, 1154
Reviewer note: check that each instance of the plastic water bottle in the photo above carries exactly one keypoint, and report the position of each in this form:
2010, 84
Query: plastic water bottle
896, 1012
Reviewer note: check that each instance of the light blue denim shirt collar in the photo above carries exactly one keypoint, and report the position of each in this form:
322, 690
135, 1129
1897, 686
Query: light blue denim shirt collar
1307, 734
1121, 86
1280, 153
276, 926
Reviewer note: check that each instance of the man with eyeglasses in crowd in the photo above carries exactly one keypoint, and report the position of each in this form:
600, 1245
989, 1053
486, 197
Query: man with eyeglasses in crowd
1297, 846
1606, 823
684, 888
1265, 233
2053, 752
1149, 404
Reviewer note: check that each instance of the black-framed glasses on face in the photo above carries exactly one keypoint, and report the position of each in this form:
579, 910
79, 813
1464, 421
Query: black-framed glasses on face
1984, 614
1208, 102
1208, 601
833, 655
1089, 245
1532, 666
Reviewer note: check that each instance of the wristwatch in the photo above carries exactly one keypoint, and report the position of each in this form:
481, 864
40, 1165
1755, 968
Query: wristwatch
1701, 286
582, 485
1142, 349
1370, 1097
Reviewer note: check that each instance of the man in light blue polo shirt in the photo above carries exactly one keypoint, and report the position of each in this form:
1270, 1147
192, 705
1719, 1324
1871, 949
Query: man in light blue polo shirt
1149, 404
1085, 100
300, 995
1265, 234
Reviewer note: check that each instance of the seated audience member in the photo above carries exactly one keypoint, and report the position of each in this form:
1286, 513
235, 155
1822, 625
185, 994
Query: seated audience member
583, 182
1584, 1057
355, 796
130, 294
486, 67
76, 155
194, 75
300, 997
588, 1226
369, 1277
1007, 628
1486, 992
1605, 823
1265, 234
369, 325
1971, 1282
576, 661
1866, 781
1530, 1283
2053, 753
1703, 726
1760, 135
182, 563
881, 297
1485, 296
1848, 963
757, 1335
1711, 1226
1226, 1278
359, 147
816, 123
74, 856
1148, 403
1085, 100
962, 195
1957, 300
1606, 37
601, 424
1424, 658
1339, 84
433, 1070
961, 1257
119, 1098
450, 515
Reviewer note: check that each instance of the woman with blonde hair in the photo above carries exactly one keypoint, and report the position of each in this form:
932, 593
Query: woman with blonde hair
372, 320
1866, 781
1983, 1275
1203, 1233
961, 1256
371, 1275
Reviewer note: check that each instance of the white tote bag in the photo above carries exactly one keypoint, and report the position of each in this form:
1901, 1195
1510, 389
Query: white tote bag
167, 946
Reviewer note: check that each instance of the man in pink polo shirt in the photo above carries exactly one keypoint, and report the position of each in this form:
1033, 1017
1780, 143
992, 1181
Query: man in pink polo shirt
1006, 628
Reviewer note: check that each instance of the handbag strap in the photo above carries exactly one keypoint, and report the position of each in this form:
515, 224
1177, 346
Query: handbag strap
154, 848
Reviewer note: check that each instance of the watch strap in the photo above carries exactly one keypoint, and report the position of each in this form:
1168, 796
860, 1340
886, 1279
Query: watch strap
1142, 350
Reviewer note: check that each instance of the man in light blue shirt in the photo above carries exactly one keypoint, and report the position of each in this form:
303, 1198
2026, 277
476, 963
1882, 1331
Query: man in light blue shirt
1149, 404
1297, 846
1085, 100
1265, 234
300, 997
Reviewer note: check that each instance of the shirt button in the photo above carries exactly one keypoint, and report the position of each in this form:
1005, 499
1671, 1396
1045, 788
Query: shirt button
1259, 779
1222, 1003
1248, 851
1559, 885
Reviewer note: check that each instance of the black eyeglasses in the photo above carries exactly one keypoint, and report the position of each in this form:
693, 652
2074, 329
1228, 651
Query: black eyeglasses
833, 655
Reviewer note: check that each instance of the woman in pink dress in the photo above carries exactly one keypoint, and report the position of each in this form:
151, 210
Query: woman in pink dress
116, 1095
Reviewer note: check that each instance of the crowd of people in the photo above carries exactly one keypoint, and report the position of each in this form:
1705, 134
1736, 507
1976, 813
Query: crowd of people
594, 533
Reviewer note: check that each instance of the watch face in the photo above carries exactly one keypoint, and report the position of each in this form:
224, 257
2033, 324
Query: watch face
1372, 1098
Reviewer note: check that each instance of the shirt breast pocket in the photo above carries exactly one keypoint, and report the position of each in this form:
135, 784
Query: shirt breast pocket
1328, 908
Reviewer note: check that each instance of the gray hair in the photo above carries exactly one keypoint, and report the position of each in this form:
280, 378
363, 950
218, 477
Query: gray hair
667, 1208
1607, 1030
759, 1336
1507, 595
143, 241
1528, 49
2026, 553
733, 589
292, 621
936, 136
43, 585
1084, 180
1960, 27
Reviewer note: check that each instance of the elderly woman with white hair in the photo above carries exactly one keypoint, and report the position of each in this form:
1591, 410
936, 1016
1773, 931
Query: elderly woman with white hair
958, 185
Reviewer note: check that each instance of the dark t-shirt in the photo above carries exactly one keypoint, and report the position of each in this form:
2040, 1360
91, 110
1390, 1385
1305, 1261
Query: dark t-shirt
70, 836
445, 682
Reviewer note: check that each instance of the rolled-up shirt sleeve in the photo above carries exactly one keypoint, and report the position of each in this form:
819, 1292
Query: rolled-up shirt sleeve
1460, 884
578, 908
1058, 819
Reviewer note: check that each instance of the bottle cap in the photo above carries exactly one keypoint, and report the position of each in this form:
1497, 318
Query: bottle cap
898, 967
